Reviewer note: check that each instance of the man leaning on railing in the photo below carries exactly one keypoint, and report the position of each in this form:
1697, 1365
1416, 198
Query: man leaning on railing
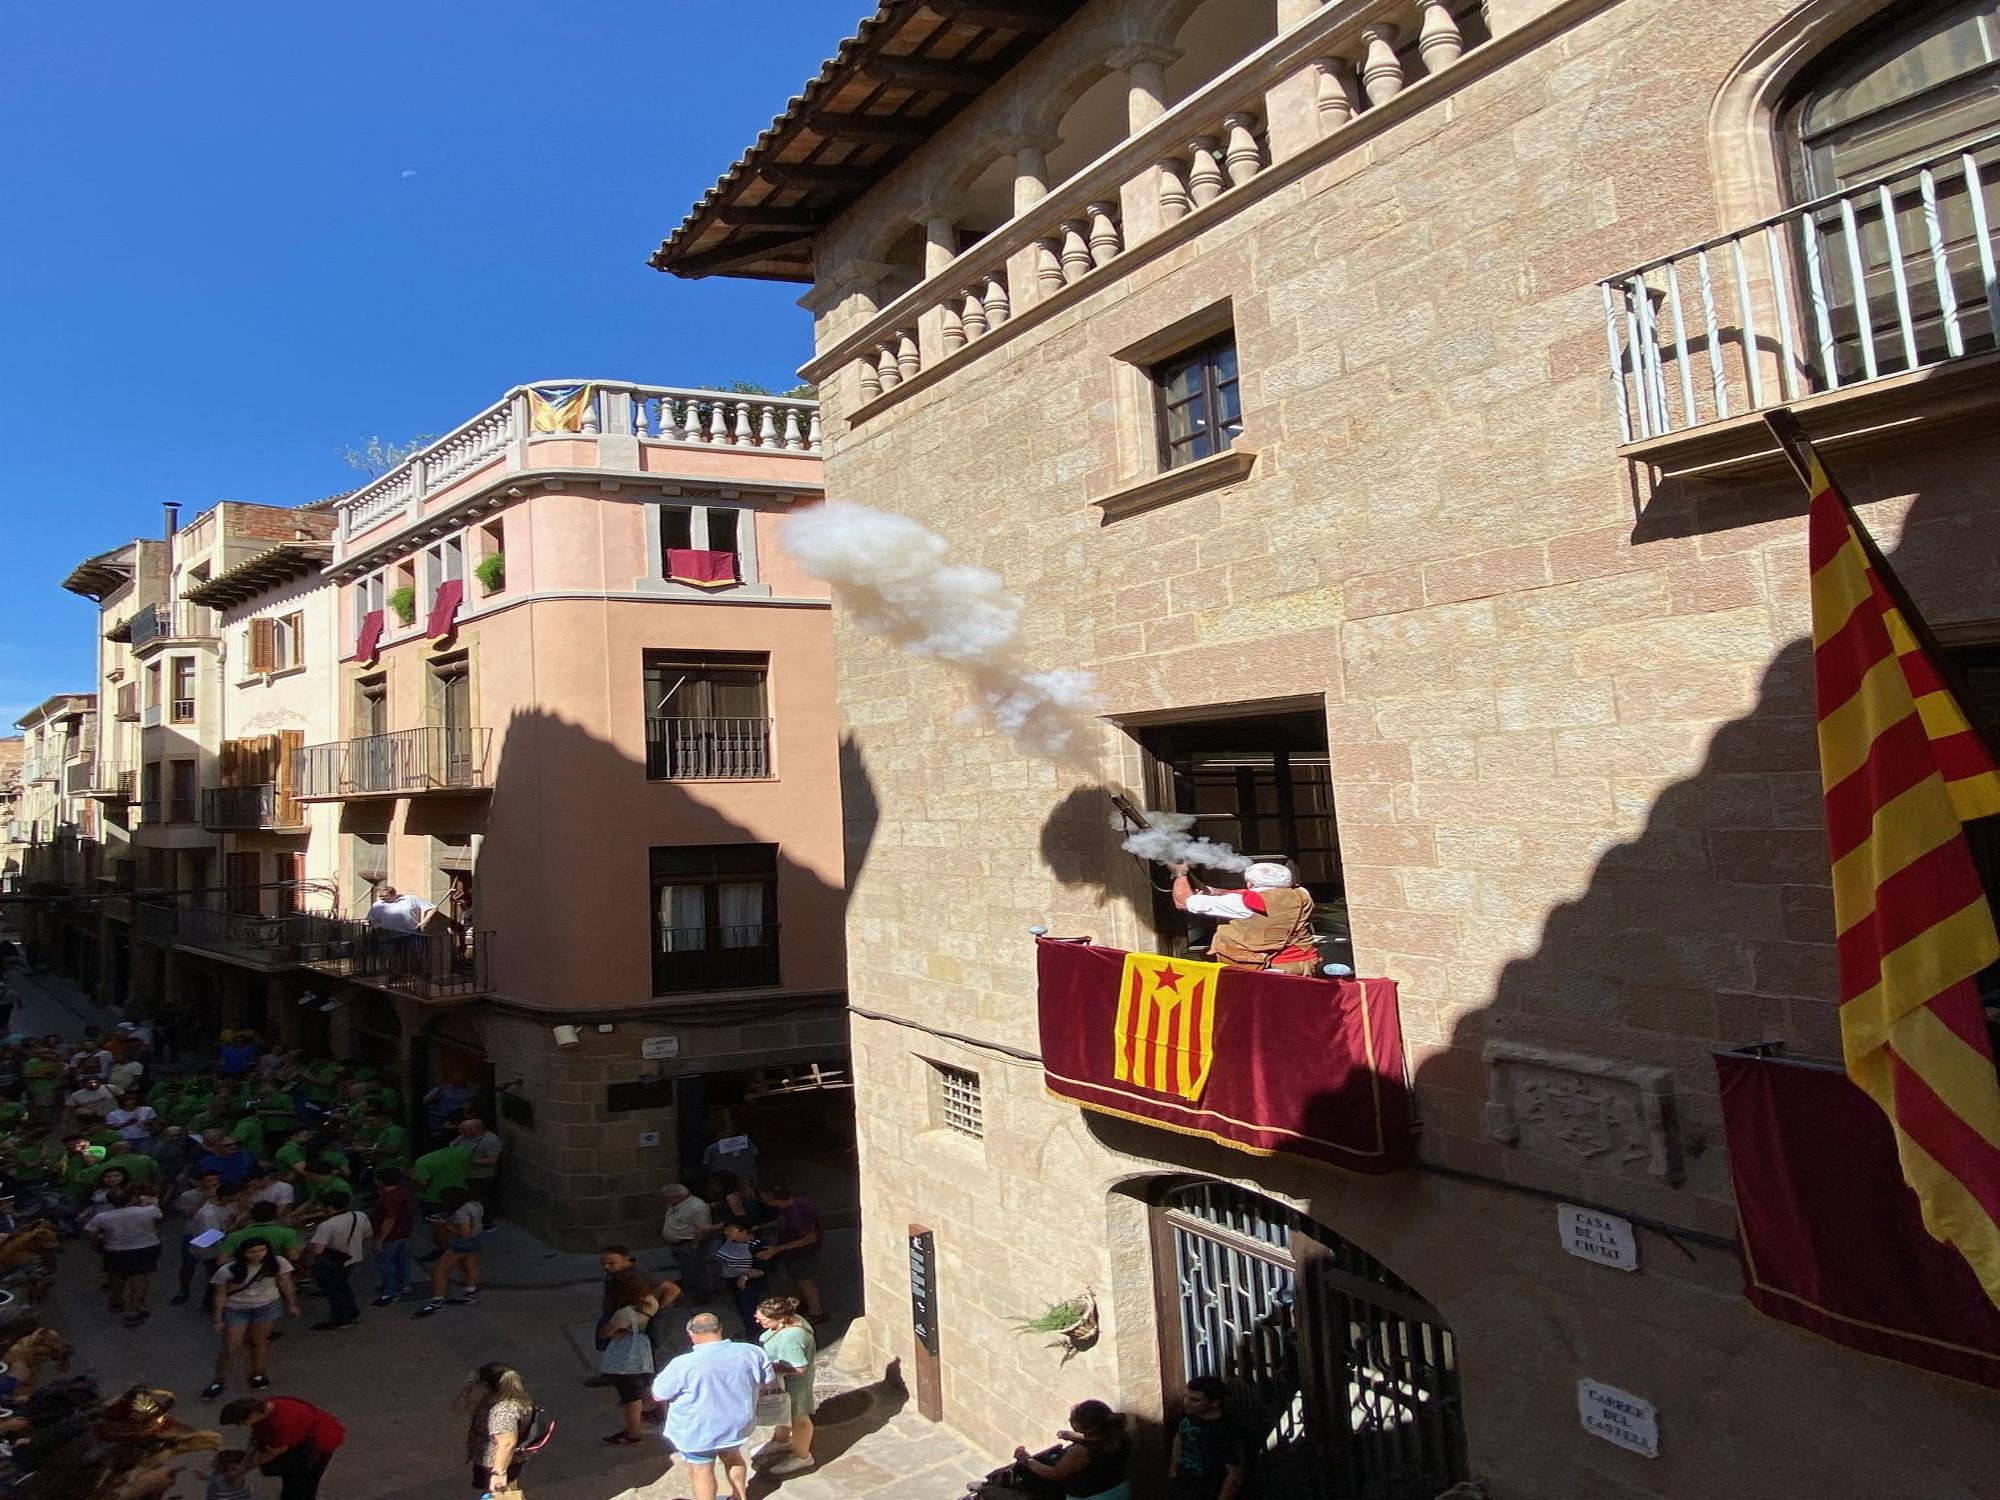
406, 926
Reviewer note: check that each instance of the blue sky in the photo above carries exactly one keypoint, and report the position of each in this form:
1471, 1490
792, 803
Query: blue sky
245, 237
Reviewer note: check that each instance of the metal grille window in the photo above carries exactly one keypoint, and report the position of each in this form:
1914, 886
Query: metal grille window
956, 1103
1200, 411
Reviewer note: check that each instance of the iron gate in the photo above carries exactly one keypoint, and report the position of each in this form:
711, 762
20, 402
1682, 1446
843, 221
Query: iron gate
1343, 1381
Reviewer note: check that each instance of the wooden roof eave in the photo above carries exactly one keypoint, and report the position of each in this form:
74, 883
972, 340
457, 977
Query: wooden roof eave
887, 90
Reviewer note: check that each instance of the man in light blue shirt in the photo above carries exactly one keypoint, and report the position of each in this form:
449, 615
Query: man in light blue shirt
711, 1393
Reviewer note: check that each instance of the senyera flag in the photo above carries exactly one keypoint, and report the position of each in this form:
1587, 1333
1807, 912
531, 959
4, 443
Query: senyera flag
1903, 770
1260, 1062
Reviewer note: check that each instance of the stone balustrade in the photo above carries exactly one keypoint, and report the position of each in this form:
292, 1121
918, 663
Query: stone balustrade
1317, 79
505, 431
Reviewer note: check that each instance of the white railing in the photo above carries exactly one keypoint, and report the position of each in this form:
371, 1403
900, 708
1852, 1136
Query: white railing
1888, 277
670, 414
1358, 55
386, 497
470, 446
654, 413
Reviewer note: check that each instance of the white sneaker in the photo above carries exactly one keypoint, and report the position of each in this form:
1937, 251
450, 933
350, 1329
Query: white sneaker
792, 1465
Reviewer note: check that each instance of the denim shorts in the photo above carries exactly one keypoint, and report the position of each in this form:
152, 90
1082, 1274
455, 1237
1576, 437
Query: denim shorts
465, 1247
243, 1317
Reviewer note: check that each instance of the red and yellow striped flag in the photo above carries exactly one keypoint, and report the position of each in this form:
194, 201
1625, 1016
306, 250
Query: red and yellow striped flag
1903, 770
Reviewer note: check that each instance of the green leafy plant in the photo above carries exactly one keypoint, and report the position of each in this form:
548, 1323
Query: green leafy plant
404, 602
491, 571
1073, 1322
1055, 1318
376, 458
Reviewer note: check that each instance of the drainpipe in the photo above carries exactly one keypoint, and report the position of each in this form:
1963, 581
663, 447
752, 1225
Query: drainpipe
173, 524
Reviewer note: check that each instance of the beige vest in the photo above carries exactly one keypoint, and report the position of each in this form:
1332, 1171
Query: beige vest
1251, 942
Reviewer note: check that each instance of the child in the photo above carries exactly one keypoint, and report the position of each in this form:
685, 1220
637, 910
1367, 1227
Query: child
225, 1479
736, 1265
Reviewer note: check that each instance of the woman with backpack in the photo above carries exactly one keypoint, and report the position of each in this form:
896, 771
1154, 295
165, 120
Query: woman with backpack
505, 1426
251, 1291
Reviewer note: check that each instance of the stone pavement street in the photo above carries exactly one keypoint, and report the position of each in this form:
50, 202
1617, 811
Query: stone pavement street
392, 1379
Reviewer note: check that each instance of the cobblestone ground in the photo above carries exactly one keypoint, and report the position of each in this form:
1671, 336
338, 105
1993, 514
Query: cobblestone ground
392, 1380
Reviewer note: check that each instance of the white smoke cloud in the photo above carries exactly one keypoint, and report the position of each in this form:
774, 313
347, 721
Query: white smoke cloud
891, 574
1169, 842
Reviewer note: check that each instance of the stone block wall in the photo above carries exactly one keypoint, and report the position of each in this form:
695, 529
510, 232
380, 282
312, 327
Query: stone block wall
1570, 726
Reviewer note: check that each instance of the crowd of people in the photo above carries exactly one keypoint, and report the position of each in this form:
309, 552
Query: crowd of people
270, 1177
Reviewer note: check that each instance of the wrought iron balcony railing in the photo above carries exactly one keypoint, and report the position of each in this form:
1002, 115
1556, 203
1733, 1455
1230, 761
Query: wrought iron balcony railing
226, 807
111, 781
444, 961
1886, 278
404, 763
708, 749
688, 960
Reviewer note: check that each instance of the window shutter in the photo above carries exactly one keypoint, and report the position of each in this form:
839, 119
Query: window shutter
298, 624
260, 646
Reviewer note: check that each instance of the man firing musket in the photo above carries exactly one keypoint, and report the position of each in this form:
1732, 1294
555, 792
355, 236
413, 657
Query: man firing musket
1266, 925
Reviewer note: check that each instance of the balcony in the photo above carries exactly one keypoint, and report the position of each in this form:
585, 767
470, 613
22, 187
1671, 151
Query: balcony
409, 762
156, 625
708, 749
112, 782
1323, 89
1866, 309
264, 942
78, 777
692, 960
435, 963
1265, 1062
594, 409
244, 808
128, 703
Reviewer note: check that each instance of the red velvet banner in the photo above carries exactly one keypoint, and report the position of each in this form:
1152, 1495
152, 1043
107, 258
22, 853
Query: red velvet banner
693, 565
1303, 1067
1832, 1237
371, 636
444, 608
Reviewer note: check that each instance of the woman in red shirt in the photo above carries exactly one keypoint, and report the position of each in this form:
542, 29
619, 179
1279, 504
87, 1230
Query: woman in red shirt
291, 1440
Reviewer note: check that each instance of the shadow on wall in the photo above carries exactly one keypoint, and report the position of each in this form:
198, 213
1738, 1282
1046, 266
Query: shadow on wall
1080, 850
565, 879
860, 810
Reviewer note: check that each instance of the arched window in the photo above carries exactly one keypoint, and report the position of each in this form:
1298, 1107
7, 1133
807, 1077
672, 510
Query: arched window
1900, 107
1342, 1380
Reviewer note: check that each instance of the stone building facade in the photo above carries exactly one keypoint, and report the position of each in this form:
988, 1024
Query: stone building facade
1529, 631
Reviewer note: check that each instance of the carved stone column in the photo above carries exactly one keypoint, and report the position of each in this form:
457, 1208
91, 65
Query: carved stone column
1145, 67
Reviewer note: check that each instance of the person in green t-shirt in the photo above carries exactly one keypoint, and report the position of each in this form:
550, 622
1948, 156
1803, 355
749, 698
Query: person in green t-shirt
387, 1143
325, 1171
282, 1238
291, 1156
440, 1169
249, 1131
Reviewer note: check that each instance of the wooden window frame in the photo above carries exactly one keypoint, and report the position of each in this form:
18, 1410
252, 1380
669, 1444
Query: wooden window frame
1202, 357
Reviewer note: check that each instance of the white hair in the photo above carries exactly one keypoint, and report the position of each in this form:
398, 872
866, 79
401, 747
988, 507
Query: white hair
1265, 875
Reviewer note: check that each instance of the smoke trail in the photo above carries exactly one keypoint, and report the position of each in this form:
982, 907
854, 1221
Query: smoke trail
891, 574
1168, 842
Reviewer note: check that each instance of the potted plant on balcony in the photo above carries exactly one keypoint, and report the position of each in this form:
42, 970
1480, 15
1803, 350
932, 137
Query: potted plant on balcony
491, 571
404, 602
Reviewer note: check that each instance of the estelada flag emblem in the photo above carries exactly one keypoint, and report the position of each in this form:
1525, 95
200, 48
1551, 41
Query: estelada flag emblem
1165, 1037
